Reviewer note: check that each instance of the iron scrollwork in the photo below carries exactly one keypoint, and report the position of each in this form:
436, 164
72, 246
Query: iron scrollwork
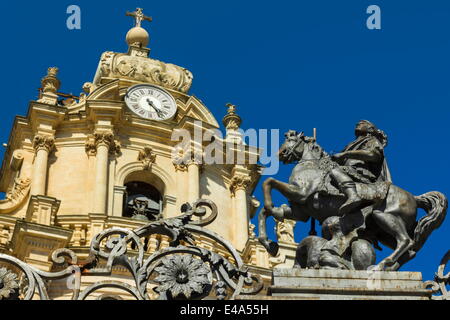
180, 271
441, 281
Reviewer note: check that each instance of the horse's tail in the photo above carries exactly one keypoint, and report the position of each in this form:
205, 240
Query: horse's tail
435, 204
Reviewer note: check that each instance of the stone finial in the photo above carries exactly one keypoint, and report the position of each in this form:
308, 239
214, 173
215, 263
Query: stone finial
232, 121
88, 88
251, 231
50, 82
50, 85
138, 36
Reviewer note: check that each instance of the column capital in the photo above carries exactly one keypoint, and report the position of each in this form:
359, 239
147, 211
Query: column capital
44, 142
180, 167
105, 138
182, 159
240, 182
102, 138
194, 162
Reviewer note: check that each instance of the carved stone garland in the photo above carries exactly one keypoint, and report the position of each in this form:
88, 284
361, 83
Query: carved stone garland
147, 157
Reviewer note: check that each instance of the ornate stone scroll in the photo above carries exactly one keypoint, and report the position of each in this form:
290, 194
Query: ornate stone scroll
15, 195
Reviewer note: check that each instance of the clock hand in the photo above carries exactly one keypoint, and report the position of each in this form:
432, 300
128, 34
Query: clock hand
158, 111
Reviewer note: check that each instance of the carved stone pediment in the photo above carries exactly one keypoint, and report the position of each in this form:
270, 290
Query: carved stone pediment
142, 69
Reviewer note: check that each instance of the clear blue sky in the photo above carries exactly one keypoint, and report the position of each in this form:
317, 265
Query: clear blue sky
286, 64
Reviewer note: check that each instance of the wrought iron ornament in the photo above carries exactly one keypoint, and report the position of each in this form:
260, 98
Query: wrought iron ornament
441, 281
181, 271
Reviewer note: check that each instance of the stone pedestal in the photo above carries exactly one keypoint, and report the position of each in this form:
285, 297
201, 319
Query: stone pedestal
35, 243
42, 210
286, 256
300, 284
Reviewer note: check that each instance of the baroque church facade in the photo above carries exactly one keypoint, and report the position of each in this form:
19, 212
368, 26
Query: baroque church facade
76, 166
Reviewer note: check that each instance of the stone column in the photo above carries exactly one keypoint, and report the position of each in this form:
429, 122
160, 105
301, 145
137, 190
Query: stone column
43, 146
181, 169
193, 181
239, 186
194, 167
119, 194
104, 143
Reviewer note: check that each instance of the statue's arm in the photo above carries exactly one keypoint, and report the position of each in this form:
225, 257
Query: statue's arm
373, 151
364, 155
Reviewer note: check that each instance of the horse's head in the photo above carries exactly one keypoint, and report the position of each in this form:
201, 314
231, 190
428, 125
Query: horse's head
292, 149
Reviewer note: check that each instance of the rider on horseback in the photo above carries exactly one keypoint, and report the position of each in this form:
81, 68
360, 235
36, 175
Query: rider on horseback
361, 161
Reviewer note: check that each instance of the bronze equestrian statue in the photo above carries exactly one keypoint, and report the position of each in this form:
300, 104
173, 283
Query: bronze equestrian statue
361, 161
356, 187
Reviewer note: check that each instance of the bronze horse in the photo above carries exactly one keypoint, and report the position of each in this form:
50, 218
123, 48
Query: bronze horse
392, 219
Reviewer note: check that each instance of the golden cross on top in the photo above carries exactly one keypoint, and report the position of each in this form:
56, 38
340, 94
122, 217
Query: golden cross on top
139, 16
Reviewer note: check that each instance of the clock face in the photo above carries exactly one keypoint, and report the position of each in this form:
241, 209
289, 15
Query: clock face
150, 102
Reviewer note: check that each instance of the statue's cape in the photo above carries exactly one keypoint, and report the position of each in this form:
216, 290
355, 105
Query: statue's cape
385, 173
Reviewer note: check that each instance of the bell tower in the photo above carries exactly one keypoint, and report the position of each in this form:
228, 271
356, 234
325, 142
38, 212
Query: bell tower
112, 157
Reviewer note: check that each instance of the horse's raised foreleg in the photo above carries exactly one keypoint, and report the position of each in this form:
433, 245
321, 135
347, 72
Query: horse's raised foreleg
271, 247
269, 210
287, 190
280, 213
267, 191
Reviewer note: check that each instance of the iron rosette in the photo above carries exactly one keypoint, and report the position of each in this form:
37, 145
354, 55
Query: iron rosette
181, 271
20, 281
